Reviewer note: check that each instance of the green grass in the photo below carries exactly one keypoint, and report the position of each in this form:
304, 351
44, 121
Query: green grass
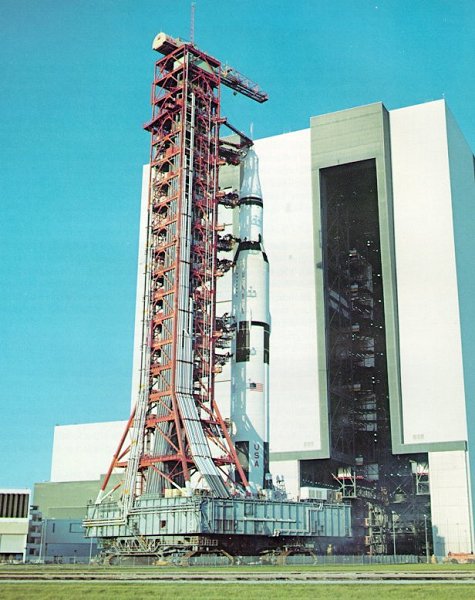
232, 591
115, 590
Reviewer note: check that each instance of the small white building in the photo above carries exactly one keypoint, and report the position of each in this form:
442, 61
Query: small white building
14, 520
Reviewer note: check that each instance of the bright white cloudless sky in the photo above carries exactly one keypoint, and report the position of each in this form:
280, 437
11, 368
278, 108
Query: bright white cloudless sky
75, 90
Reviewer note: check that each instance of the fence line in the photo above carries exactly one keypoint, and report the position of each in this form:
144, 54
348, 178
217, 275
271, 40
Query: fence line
267, 560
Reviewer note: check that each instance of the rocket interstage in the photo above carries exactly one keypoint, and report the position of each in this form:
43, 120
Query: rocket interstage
250, 306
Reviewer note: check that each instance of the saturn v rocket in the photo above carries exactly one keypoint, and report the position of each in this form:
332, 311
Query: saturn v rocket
250, 308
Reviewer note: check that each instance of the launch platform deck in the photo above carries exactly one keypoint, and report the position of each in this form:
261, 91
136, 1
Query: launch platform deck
205, 522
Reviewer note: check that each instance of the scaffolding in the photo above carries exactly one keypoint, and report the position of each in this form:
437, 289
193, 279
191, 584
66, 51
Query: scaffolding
178, 438
184, 489
362, 465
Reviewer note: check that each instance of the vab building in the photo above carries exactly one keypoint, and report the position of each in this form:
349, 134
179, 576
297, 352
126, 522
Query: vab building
369, 221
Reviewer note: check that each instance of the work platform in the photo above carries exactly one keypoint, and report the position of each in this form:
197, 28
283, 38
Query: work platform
166, 526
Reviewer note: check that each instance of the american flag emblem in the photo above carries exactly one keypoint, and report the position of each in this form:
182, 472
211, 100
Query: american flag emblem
255, 387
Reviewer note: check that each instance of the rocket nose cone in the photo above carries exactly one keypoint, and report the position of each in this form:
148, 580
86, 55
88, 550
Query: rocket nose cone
251, 186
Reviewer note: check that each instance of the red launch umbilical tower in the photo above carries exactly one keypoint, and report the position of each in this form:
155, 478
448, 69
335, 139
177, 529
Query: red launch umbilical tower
176, 435
184, 491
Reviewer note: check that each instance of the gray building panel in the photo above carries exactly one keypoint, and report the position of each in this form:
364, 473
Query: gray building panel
66, 500
64, 540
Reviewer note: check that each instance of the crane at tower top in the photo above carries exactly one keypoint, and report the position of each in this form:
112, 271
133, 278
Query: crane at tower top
230, 77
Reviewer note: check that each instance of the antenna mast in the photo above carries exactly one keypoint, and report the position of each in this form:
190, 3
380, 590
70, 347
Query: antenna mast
192, 23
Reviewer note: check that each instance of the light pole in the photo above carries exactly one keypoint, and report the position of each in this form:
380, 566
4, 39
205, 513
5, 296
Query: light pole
394, 536
44, 526
427, 541
90, 551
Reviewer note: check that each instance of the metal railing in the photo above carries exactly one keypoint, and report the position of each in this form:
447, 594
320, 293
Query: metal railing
245, 561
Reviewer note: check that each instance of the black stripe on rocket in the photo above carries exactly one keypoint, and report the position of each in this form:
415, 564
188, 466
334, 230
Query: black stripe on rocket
243, 348
251, 200
248, 245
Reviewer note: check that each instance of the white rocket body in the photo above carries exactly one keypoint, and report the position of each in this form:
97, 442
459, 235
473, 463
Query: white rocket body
250, 362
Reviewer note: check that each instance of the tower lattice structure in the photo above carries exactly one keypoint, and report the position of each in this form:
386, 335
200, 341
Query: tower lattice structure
177, 434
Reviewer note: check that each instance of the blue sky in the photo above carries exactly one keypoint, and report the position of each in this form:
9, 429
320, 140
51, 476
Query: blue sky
75, 91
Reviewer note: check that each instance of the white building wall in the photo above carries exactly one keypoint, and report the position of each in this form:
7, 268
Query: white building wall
427, 185
13, 543
433, 398
139, 298
289, 472
285, 175
462, 181
450, 502
14, 530
84, 452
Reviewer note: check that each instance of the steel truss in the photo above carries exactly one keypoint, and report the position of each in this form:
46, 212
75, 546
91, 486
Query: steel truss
177, 434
